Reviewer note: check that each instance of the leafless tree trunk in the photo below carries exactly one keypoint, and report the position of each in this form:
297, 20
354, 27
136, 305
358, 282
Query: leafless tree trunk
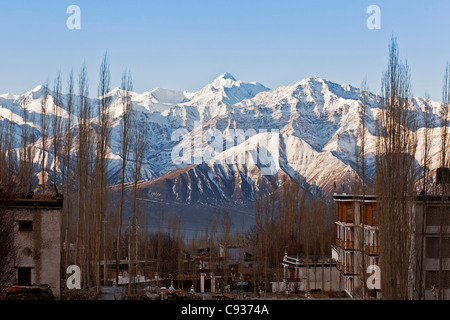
57, 128
103, 137
140, 147
361, 169
8, 254
125, 140
395, 168
27, 151
7, 161
44, 131
444, 163
85, 142
425, 143
67, 170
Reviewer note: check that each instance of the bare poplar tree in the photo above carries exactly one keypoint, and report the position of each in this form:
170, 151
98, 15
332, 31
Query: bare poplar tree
85, 142
361, 169
26, 151
140, 144
101, 163
44, 130
125, 141
7, 161
395, 169
67, 170
425, 147
56, 117
444, 164
8, 254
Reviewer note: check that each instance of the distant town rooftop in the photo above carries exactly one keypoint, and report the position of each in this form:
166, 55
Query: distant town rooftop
32, 203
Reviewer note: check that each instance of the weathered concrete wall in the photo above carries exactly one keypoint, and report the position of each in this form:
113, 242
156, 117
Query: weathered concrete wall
40, 248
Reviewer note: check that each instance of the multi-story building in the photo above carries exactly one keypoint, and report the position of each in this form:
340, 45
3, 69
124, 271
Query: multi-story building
357, 244
37, 241
432, 248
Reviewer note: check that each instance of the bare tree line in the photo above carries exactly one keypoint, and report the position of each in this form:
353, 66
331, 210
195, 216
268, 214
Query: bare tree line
396, 187
290, 221
75, 135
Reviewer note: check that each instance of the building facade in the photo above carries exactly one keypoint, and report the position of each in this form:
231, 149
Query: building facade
300, 274
432, 248
37, 242
357, 247
357, 244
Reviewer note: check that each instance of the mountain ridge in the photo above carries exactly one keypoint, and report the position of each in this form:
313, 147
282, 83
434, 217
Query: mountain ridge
316, 122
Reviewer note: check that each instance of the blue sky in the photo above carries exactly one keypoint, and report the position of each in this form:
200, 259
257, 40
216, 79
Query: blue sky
187, 44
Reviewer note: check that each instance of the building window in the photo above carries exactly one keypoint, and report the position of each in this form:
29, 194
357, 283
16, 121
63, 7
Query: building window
25, 225
23, 276
349, 210
432, 247
433, 216
432, 279
374, 216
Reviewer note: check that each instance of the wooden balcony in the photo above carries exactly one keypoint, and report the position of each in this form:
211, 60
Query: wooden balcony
347, 269
347, 244
371, 250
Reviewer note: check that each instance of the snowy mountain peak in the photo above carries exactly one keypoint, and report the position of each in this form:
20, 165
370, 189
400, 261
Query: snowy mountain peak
225, 80
315, 82
37, 88
225, 90
168, 96
35, 92
8, 96
227, 75
317, 120
115, 92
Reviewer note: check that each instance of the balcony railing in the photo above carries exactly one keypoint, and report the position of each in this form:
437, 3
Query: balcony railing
347, 269
347, 244
371, 249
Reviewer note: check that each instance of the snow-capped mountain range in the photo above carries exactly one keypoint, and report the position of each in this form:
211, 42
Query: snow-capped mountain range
231, 141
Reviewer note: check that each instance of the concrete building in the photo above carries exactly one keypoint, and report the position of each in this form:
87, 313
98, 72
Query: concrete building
357, 242
357, 246
37, 241
301, 274
432, 248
